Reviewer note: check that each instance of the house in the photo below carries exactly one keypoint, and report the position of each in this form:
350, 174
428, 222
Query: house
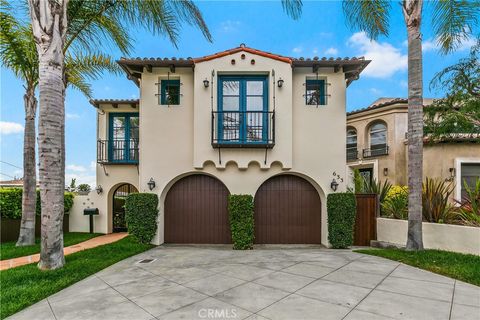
377, 147
241, 121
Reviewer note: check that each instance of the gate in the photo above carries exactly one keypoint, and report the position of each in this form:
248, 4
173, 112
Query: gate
365, 220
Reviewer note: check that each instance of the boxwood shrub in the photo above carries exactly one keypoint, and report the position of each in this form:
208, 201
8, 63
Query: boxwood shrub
341, 209
240, 209
141, 216
11, 202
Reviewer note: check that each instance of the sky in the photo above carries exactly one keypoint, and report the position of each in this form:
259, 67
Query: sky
321, 31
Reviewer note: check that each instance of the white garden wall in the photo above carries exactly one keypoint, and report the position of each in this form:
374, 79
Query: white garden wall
80, 222
435, 235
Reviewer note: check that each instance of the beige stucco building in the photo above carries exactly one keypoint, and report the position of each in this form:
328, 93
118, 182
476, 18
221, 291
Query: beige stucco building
377, 146
242, 121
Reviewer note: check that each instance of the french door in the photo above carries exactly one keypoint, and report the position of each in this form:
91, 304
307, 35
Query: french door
243, 109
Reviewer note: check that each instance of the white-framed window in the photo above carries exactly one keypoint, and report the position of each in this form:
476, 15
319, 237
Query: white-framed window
467, 170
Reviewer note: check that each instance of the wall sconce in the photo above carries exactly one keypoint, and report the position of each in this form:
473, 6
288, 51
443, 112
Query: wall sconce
151, 184
385, 171
99, 189
452, 174
280, 83
206, 83
334, 185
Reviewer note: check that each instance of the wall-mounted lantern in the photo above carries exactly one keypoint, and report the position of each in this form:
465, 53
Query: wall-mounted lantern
334, 185
99, 189
452, 174
280, 83
151, 184
385, 172
206, 83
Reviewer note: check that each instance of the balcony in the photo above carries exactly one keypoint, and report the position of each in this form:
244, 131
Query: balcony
375, 151
352, 154
117, 151
243, 129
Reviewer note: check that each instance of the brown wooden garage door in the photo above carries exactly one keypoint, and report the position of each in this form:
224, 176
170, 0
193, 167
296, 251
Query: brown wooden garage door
196, 211
287, 210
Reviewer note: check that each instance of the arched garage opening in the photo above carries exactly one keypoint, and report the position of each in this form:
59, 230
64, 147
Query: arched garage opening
118, 208
196, 211
287, 211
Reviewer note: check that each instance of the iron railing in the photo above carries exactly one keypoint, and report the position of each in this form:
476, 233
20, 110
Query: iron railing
117, 151
352, 154
375, 151
243, 129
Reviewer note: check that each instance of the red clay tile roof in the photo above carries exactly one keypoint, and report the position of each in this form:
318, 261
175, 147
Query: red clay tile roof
242, 47
385, 102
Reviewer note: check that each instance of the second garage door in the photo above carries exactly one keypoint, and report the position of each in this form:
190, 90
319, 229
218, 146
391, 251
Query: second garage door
287, 210
196, 211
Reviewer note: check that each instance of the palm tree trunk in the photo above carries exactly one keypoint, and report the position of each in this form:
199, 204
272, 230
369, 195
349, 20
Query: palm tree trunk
49, 22
412, 11
29, 196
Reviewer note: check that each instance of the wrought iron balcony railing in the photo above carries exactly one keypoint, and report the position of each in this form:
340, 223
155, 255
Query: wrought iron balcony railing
117, 151
243, 129
375, 151
352, 154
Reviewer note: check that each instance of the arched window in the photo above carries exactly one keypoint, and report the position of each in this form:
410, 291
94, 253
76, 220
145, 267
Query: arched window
378, 139
352, 144
119, 196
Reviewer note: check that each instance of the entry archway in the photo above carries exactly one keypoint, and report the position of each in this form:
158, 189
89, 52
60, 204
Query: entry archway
119, 196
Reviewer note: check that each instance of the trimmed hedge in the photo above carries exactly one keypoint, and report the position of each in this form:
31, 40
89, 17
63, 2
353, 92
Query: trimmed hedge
11, 202
141, 216
240, 209
341, 209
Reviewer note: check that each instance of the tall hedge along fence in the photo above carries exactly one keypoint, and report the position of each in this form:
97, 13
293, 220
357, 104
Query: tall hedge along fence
240, 209
341, 209
11, 202
141, 216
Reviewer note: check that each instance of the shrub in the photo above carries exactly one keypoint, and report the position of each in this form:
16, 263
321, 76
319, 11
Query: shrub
395, 204
469, 209
141, 216
240, 209
436, 201
341, 209
11, 202
397, 190
84, 188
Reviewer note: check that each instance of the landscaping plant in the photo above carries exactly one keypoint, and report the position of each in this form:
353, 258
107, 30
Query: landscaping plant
341, 208
141, 216
436, 201
240, 210
469, 209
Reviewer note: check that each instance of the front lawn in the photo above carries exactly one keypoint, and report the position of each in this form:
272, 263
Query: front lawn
23, 286
9, 251
464, 267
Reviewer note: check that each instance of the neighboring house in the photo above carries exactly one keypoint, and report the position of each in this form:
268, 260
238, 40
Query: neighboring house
15, 183
242, 121
377, 146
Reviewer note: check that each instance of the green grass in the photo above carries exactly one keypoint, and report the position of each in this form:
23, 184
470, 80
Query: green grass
9, 251
464, 267
23, 286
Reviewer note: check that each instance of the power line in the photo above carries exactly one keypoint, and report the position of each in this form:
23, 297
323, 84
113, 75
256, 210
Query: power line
10, 164
7, 175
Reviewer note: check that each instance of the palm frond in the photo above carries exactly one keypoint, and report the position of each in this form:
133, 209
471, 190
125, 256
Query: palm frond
453, 22
371, 16
293, 8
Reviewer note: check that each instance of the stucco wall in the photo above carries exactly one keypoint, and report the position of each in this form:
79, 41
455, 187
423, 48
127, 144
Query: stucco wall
80, 222
435, 235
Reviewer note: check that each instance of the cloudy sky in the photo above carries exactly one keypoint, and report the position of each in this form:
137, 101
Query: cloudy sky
321, 31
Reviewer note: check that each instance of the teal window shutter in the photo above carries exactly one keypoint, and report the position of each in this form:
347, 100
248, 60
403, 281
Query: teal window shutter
315, 92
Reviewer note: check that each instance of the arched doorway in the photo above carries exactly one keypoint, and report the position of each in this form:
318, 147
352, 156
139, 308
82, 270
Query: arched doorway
287, 210
119, 196
196, 211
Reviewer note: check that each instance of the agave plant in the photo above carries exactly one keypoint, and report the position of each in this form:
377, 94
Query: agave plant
379, 188
469, 209
436, 201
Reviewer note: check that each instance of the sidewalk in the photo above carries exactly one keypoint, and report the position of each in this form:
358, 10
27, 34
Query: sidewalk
91, 243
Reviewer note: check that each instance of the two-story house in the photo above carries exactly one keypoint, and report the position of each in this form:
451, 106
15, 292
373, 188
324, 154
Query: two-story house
377, 147
241, 121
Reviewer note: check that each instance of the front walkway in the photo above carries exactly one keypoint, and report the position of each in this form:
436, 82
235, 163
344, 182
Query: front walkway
188, 282
88, 244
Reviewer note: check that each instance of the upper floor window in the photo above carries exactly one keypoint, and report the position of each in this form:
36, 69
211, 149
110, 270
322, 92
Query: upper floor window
242, 116
315, 92
123, 139
352, 153
170, 92
378, 141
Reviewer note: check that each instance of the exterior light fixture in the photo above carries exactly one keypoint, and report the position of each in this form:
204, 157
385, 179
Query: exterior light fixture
151, 184
334, 185
99, 189
385, 171
280, 83
206, 83
452, 174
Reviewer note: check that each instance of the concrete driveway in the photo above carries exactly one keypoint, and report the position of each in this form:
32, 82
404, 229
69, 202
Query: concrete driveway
193, 282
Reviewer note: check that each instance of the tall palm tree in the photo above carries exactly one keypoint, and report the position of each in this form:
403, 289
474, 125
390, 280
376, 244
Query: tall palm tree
53, 28
453, 21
